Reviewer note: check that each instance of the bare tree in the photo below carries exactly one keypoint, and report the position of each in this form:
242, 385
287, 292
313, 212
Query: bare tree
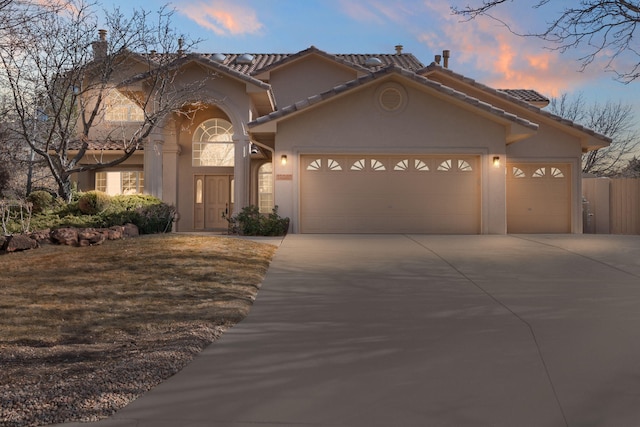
61, 80
606, 27
613, 119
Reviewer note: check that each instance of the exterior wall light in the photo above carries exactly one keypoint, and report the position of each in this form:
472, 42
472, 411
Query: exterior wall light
283, 159
496, 161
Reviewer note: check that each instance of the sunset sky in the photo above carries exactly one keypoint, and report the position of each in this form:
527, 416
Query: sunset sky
481, 49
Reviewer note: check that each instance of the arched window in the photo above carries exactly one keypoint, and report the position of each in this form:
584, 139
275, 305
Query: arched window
213, 143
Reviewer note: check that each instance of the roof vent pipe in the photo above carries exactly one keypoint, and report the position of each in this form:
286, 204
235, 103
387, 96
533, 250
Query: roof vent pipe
446, 54
399, 49
180, 46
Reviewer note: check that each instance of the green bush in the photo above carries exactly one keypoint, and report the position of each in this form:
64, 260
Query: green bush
250, 222
148, 213
42, 201
93, 202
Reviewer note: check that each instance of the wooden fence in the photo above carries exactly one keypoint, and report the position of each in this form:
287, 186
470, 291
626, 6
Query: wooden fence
611, 206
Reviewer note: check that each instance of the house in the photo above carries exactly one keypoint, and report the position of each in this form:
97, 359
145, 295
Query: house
357, 144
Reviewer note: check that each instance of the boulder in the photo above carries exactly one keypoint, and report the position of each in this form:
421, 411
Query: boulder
19, 242
130, 230
115, 232
91, 237
65, 236
41, 236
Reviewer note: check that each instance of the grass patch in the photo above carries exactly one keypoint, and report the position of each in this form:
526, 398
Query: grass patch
66, 310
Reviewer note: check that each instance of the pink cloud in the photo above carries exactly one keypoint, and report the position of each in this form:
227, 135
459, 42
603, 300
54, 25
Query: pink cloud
223, 17
499, 58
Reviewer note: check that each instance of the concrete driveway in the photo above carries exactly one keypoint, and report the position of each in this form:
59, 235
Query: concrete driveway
407, 330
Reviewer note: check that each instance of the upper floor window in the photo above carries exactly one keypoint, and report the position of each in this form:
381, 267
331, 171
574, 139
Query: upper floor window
119, 108
213, 143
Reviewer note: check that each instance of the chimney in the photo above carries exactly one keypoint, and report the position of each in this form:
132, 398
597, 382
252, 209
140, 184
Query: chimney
438, 58
100, 45
399, 49
180, 46
446, 54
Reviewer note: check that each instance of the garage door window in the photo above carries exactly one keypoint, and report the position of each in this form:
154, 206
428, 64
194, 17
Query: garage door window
447, 165
518, 173
332, 165
553, 173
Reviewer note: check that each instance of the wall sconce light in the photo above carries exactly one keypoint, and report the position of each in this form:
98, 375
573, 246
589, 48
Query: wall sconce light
283, 159
496, 161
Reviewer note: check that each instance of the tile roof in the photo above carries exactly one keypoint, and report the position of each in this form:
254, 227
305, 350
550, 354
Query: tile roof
301, 105
266, 61
526, 95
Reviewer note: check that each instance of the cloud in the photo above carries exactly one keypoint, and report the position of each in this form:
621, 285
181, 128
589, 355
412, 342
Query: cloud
499, 58
223, 17
377, 11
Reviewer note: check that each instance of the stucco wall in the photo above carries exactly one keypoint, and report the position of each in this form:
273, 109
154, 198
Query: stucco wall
427, 125
306, 77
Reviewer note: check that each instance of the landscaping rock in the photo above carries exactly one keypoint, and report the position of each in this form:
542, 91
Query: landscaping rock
65, 236
19, 242
91, 237
41, 236
115, 233
130, 230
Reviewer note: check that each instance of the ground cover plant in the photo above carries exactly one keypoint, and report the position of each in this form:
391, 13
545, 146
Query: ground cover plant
83, 331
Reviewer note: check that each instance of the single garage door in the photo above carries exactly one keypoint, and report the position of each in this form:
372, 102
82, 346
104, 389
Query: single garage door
389, 194
538, 198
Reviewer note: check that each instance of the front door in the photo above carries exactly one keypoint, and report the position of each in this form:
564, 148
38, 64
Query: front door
212, 201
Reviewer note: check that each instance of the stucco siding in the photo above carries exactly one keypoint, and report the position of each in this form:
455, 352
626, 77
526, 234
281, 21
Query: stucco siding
427, 124
307, 77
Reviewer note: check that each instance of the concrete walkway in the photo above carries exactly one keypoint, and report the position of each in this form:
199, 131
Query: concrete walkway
423, 331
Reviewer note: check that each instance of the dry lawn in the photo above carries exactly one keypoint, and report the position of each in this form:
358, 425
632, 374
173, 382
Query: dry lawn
122, 317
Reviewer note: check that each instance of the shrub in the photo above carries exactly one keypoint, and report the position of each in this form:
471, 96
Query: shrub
250, 222
156, 218
148, 213
42, 201
93, 202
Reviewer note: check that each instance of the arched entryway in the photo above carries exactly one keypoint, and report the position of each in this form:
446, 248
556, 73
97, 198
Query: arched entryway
213, 159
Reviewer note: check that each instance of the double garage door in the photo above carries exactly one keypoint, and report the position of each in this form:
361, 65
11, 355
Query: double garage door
390, 194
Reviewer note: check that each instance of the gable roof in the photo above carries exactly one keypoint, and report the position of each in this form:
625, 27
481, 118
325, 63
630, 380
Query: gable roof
516, 97
383, 72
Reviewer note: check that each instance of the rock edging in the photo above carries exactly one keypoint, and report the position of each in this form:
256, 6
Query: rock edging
70, 236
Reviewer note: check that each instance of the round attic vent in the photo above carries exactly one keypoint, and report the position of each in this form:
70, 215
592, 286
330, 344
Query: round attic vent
391, 97
219, 57
373, 62
244, 59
